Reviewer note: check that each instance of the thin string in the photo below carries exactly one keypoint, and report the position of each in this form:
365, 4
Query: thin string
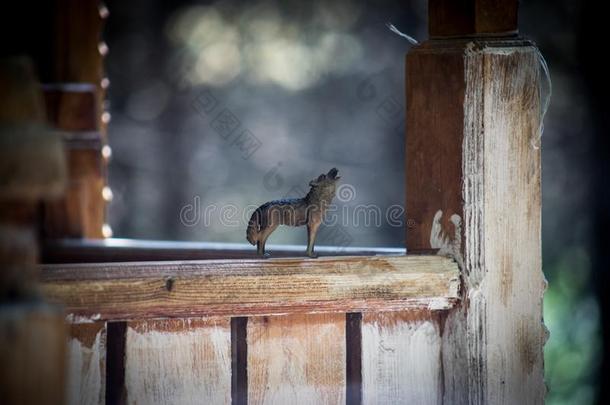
537, 139
396, 31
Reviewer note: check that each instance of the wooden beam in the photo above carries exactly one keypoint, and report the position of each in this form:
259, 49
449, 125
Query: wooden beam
473, 192
251, 287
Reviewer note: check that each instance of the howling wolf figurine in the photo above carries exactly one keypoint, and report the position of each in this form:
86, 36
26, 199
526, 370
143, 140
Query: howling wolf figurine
308, 210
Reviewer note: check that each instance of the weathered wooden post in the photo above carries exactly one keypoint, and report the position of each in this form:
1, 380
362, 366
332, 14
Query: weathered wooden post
473, 192
32, 169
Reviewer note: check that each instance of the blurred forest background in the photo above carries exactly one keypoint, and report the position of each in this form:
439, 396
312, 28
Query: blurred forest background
232, 103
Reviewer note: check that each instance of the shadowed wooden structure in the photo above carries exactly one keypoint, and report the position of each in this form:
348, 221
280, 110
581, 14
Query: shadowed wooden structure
456, 320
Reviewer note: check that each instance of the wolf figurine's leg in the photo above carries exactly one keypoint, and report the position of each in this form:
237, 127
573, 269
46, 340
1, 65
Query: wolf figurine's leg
263, 240
312, 230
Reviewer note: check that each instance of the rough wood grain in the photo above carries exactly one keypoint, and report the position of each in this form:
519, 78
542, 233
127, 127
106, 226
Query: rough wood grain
401, 358
178, 361
296, 359
502, 234
245, 287
86, 379
481, 205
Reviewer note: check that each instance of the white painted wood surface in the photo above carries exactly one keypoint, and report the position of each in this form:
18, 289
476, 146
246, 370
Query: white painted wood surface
474, 193
178, 361
86, 379
502, 251
401, 362
296, 359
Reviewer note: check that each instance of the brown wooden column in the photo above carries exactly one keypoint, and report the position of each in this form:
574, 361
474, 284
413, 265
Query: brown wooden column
74, 91
473, 193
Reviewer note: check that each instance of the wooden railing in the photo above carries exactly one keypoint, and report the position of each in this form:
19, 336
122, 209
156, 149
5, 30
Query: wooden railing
255, 331
140, 290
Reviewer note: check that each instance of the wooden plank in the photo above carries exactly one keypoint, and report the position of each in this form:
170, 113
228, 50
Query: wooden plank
178, 361
87, 363
296, 359
245, 287
401, 358
137, 250
479, 202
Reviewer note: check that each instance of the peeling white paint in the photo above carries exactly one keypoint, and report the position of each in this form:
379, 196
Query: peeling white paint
75, 319
298, 359
501, 192
438, 303
191, 366
401, 363
86, 371
447, 245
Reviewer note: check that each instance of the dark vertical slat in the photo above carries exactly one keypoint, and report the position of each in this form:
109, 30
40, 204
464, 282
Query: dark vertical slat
353, 354
239, 361
115, 363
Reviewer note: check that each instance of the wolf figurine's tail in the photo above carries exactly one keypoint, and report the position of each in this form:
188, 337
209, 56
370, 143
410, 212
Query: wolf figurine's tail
253, 227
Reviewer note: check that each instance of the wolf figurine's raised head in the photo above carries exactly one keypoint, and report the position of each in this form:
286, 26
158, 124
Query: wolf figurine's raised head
323, 188
328, 179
